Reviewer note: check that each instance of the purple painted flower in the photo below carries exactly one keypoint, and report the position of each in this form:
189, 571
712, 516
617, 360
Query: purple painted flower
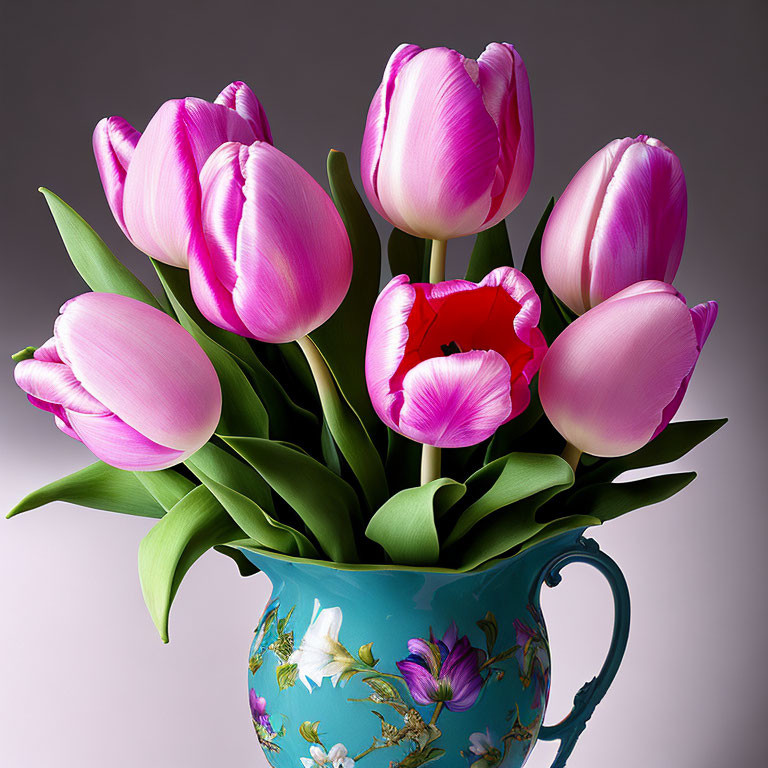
259, 713
525, 635
534, 660
446, 670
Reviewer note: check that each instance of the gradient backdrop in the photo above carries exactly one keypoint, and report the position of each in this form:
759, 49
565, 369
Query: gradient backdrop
84, 680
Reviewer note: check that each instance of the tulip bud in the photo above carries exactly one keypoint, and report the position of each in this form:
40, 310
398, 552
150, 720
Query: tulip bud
240, 97
448, 145
449, 363
615, 377
114, 143
621, 220
126, 380
278, 262
151, 180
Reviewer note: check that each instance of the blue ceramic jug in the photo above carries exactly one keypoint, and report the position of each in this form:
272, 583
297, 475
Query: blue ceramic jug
399, 668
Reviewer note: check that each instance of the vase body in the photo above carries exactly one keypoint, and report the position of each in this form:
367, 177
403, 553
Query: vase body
401, 668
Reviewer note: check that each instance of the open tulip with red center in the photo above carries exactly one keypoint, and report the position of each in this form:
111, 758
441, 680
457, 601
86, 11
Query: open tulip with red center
448, 363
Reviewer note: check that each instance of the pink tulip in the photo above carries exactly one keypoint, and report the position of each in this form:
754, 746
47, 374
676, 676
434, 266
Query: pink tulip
615, 377
448, 363
278, 260
620, 220
126, 380
151, 181
448, 145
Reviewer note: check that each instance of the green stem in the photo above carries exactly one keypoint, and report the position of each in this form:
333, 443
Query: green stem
320, 371
571, 454
436, 713
379, 673
370, 749
437, 261
430, 463
430, 456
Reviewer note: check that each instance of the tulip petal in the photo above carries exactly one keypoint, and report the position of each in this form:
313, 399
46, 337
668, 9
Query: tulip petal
376, 122
242, 99
387, 339
440, 151
640, 230
114, 144
55, 383
294, 262
608, 378
63, 424
568, 234
456, 401
48, 352
703, 317
173, 399
162, 193
507, 97
115, 443
212, 273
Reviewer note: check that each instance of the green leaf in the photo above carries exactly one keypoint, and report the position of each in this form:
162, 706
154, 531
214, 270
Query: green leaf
96, 264
286, 675
324, 501
552, 321
342, 338
408, 255
670, 445
244, 493
221, 466
244, 565
383, 688
285, 417
282, 623
308, 731
559, 526
347, 429
508, 480
242, 410
366, 655
405, 524
195, 525
167, 486
508, 435
256, 523
491, 250
490, 628
24, 354
421, 757
509, 527
607, 501
329, 450
98, 486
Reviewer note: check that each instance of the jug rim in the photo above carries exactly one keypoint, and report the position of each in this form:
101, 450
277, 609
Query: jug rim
572, 535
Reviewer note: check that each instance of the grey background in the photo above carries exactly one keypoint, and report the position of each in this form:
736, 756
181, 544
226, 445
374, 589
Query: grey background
83, 679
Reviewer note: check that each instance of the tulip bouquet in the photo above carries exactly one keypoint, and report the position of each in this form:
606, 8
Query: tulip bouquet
270, 399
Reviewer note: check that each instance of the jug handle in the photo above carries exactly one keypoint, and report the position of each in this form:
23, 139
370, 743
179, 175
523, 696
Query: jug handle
584, 703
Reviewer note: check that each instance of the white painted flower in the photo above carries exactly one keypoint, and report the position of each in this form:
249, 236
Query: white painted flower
482, 743
320, 654
336, 757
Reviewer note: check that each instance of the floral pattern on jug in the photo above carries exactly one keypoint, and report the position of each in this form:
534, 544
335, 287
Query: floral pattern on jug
400, 668
435, 673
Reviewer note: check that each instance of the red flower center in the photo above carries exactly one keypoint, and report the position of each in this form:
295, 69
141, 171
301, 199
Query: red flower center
475, 319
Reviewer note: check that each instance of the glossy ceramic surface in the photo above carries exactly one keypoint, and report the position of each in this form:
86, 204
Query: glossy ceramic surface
403, 668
